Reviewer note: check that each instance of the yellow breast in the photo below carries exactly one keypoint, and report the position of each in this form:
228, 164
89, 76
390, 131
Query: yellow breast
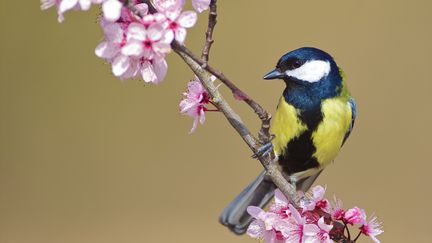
330, 133
285, 125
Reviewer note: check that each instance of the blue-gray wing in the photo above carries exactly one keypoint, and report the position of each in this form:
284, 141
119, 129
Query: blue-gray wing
352, 103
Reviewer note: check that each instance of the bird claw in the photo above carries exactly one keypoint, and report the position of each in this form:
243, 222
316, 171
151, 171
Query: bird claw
263, 150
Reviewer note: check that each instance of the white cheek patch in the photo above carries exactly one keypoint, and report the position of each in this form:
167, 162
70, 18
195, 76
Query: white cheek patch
311, 71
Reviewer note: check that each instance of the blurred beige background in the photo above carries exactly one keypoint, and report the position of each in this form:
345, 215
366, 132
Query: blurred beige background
85, 158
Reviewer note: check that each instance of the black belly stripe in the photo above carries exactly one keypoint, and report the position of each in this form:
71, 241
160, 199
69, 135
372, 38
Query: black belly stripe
298, 155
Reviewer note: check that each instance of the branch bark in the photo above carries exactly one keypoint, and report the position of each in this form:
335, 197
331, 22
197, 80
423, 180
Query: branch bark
212, 20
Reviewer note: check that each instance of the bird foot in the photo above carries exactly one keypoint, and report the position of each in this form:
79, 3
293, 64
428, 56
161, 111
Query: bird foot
263, 150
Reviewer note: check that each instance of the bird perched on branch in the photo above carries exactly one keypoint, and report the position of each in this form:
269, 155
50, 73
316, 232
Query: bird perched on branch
314, 117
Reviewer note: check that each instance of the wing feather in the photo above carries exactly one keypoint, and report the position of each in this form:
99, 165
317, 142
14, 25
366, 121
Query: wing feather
352, 103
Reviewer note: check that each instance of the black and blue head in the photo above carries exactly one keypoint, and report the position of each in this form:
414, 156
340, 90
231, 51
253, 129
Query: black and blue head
308, 67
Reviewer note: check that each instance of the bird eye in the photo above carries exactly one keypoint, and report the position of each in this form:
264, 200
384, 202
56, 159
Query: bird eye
290, 64
296, 63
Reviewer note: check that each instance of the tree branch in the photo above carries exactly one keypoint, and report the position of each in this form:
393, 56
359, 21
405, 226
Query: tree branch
209, 33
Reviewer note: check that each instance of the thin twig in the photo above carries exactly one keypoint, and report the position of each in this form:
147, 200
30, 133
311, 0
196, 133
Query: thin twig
348, 232
358, 236
212, 20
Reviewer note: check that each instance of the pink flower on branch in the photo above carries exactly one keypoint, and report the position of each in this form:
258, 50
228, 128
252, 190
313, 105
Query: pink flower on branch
194, 102
280, 206
317, 200
372, 228
151, 67
147, 42
265, 226
318, 223
298, 230
178, 23
323, 235
354, 215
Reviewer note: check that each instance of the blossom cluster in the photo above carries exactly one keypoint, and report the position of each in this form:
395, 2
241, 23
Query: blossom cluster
137, 40
316, 220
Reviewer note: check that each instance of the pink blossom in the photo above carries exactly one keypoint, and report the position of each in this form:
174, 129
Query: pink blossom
323, 235
144, 51
317, 200
265, 226
280, 207
178, 23
115, 38
147, 42
152, 69
110, 48
372, 228
354, 215
337, 212
297, 230
200, 5
194, 102
66, 5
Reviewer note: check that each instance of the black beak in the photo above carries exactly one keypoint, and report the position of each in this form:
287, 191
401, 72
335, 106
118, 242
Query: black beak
274, 75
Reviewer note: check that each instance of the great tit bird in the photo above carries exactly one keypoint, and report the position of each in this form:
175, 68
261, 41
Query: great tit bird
314, 117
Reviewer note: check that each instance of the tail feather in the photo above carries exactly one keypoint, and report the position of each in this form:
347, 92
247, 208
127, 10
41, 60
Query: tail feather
258, 193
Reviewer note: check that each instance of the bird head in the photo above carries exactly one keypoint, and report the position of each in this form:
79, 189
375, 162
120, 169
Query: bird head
305, 66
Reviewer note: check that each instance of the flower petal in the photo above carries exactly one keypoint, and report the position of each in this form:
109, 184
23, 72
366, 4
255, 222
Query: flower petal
280, 197
255, 229
168, 37
160, 69
106, 50
187, 19
202, 116
169, 5
162, 48
136, 32
180, 35
296, 215
318, 192
120, 65
254, 211
133, 48
46, 4
324, 226
142, 9
112, 10
310, 229
200, 5
85, 4
66, 5
194, 125
113, 32
155, 32
148, 73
